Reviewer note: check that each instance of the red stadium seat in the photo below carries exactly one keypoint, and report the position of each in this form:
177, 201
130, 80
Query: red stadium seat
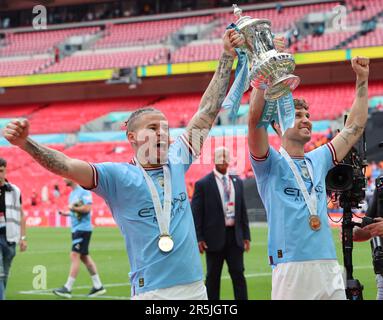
96, 60
120, 35
22, 67
28, 43
327, 102
280, 21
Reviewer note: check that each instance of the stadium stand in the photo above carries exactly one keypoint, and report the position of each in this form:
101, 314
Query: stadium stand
29, 43
18, 111
121, 35
145, 34
281, 21
370, 39
359, 10
22, 67
330, 101
197, 52
327, 41
58, 117
327, 102
101, 60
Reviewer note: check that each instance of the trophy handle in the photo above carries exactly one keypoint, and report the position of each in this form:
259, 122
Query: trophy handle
237, 11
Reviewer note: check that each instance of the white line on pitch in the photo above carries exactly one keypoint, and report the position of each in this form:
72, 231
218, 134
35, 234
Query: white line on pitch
77, 295
266, 274
111, 285
123, 284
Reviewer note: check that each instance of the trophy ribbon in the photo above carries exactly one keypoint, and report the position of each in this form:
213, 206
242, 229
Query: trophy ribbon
282, 111
240, 84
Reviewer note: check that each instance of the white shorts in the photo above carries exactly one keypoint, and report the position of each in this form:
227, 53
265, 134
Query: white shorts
191, 291
308, 280
379, 284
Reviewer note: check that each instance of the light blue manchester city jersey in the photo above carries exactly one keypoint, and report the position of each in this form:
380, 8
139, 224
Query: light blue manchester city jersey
80, 222
124, 188
290, 237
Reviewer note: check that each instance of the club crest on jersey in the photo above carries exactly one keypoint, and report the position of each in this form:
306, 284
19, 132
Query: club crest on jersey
305, 171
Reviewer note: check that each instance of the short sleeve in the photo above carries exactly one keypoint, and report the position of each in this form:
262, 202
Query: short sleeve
324, 156
262, 166
86, 197
104, 179
181, 152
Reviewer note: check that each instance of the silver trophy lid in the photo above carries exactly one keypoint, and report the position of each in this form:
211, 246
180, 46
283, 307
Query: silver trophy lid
244, 21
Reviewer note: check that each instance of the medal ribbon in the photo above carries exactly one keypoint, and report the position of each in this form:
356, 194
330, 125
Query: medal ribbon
310, 199
162, 213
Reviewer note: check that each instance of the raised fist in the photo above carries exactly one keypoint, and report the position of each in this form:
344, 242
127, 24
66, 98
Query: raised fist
16, 132
360, 65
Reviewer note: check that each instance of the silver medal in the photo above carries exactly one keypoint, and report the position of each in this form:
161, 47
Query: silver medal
165, 243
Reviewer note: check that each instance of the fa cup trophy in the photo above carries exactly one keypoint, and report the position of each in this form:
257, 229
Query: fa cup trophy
269, 69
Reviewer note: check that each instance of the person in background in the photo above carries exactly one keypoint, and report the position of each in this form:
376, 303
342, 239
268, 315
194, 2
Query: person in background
80, 207
222, 225
12, 225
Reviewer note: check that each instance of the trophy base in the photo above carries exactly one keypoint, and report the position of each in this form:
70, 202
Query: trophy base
282, 86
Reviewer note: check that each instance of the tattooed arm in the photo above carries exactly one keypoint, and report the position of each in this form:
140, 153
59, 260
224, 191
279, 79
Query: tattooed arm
356, 121
210, 105
17, 131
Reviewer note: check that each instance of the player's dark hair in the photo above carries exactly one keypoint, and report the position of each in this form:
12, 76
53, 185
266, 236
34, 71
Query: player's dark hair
298, 104
301, 104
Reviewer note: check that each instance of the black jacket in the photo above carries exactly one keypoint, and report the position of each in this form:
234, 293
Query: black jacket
208, 213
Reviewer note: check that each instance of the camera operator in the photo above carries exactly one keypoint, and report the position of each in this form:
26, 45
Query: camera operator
371, 231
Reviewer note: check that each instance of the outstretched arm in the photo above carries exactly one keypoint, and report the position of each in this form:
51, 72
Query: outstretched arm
211, 102
17, 131
357, 118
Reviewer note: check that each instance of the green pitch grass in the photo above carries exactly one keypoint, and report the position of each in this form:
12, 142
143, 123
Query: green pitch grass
48, 249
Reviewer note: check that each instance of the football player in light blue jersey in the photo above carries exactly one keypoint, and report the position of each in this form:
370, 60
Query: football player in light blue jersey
300, 246
80, 206
148, 197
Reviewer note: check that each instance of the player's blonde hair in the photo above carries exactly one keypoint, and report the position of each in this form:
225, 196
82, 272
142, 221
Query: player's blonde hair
131, 122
